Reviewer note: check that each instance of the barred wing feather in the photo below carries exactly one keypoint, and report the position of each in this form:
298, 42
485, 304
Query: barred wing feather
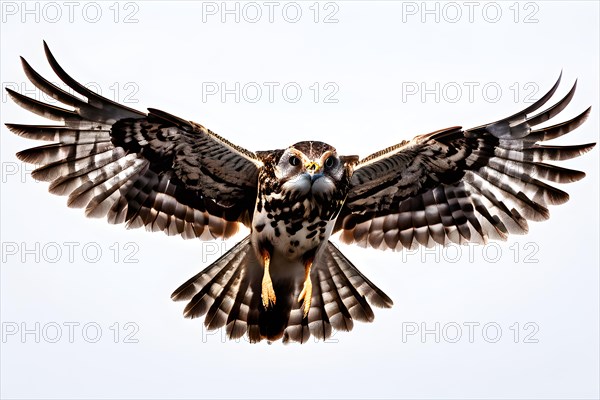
458, 186
146, 169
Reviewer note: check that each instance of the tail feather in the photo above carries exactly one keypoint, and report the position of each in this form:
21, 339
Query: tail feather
362, 284
221, 307
318, 321
356, 304
237, 320
337, 313
199, 282
297, 329
206, 297
228, 294
254, 310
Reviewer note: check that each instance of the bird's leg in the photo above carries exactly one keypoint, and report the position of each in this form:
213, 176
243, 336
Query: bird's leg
267, 294
306, 293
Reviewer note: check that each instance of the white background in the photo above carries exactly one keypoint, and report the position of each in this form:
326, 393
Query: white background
371, 53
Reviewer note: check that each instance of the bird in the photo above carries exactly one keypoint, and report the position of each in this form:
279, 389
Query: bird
286, 280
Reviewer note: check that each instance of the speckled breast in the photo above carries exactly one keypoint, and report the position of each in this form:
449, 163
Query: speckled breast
294, 228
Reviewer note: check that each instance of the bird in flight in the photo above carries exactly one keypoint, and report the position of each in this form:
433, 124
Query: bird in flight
286, 280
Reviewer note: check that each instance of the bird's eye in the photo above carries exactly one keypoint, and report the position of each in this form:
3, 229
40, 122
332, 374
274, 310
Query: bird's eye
330, 162
294, 161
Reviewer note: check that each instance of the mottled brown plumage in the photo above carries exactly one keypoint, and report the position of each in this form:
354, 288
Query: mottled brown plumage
286, 280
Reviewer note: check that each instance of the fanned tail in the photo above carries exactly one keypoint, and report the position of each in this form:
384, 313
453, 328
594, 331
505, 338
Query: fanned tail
228, 295
341, 294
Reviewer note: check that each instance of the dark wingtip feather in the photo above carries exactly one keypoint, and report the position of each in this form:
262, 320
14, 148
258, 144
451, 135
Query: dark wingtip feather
94, 98
554, 110
48, 53
50, 89
542, 100
23, 156
15, 128
381, 300
26, 131
11, 92
35, 155
31, 156
182, 293
577, 150
558, 130
186, 291
559, 153
66, 78
42, 109
522, 115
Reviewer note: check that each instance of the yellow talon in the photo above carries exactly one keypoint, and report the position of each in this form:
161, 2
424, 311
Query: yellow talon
268, 294
306, 293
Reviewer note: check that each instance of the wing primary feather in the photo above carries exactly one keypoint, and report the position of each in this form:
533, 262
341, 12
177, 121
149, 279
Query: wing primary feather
543, 100
558, 130
43, 109
554, 110
93, 98
60, 134
50, 89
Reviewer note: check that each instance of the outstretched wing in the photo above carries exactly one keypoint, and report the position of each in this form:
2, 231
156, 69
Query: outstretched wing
154, 170
458, 185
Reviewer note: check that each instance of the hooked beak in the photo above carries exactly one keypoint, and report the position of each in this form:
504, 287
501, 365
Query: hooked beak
314, 170
313, 167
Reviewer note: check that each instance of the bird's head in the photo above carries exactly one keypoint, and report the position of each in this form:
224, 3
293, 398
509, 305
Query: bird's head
313, 167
